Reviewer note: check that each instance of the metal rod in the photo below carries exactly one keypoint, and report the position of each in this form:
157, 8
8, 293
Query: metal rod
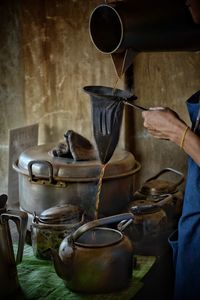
135, 106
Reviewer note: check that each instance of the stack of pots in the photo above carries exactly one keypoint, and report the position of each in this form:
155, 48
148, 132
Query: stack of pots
156, 207
46, 181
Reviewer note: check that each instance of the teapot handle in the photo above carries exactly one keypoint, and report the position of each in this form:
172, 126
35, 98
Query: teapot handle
181, 180
21, 219
100, 222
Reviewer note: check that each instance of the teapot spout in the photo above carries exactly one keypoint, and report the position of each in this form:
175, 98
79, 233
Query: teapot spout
63, 269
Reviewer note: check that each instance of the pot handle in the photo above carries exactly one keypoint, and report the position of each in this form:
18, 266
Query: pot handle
42, 162
21, 219
181, 180
100, 222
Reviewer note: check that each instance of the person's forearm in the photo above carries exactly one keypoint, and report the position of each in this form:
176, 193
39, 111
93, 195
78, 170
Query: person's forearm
189, 140
165, 124
191, 146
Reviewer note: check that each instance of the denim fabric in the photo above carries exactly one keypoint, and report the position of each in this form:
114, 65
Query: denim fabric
173, 241
187, 246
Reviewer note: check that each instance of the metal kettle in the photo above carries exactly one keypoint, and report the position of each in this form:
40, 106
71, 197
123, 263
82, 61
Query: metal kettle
8, 271
96, 259
164, 193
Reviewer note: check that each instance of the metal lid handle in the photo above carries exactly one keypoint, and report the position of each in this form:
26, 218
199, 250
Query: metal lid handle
169, 170
43, 162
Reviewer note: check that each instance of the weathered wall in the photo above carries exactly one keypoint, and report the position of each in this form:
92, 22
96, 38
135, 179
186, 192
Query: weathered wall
46, 57
161, 79
59, 60
11, 81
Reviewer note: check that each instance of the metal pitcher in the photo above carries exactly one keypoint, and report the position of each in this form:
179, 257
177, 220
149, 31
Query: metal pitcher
126, 28
8, 271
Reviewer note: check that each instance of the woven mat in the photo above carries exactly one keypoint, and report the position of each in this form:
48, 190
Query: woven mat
38, 280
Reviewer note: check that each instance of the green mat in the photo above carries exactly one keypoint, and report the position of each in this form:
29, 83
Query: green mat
38, 280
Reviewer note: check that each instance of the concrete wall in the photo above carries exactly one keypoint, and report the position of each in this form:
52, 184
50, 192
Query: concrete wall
12, 108
46, 57
161, 79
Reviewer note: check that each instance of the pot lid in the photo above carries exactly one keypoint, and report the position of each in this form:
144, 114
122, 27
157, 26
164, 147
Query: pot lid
157, 187
122, 163
61, 214
140, 207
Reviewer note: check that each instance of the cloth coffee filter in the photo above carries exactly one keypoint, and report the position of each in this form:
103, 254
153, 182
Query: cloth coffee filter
107, 112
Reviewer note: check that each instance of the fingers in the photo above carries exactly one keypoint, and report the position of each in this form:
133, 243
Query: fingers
157, 134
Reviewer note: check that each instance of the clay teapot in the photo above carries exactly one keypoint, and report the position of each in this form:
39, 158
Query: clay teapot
8, 271
96, 259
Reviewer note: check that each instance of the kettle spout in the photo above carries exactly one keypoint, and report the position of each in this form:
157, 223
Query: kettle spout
63, 269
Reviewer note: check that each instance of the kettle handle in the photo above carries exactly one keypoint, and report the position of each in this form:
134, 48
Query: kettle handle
21, 219
181, 180
99, 222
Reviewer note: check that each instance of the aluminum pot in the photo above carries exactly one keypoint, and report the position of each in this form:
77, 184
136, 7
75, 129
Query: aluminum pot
46, 181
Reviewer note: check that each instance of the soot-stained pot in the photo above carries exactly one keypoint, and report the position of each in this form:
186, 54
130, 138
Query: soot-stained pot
46, 181
52, 226
148, 229
157, 207
163, 191
96, 259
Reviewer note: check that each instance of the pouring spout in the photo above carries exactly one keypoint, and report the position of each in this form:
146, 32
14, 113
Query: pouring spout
123, 60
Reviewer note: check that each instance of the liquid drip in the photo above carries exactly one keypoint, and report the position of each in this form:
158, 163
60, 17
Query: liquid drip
103, 166
115, 85
93, 236
99, 191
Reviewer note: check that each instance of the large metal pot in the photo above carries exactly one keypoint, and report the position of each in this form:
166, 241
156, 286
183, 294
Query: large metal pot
46, 181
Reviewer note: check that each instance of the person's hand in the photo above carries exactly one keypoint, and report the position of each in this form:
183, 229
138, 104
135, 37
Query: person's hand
163, 123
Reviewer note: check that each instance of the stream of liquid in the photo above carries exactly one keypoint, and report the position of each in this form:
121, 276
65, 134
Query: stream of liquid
115, 85
103, 167
99, 187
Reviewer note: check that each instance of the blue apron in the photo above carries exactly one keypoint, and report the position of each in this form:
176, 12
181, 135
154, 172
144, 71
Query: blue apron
186, 245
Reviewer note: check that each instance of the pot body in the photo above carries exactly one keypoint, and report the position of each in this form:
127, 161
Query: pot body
96, 259
115, 195
148, 220
74, 183
107, 269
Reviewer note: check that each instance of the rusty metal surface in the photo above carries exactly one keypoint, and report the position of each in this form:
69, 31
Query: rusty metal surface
103, 255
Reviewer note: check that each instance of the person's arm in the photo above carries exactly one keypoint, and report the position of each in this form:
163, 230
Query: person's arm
166, 124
